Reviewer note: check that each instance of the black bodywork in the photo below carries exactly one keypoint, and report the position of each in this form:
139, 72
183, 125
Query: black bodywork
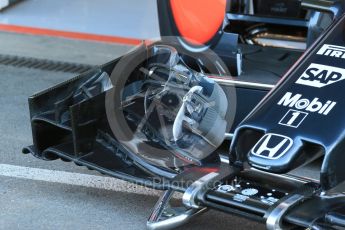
69, 122
320, 133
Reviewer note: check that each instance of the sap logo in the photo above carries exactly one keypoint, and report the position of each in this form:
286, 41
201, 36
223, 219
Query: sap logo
272, 146
319, 76
290, 100
332, 51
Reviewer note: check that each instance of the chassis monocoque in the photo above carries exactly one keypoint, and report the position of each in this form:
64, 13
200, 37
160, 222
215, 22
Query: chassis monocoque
237, 153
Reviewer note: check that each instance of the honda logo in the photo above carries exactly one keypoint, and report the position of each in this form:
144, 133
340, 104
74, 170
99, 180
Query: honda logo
272, 146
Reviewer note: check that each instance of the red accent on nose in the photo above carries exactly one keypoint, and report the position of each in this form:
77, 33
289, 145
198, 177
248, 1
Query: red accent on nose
198, 20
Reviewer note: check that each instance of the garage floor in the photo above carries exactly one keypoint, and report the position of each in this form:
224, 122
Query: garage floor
59, 195
130, 18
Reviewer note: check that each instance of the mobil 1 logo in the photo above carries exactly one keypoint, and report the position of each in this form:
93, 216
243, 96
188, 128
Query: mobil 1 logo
301, 107
318, 76
293, 118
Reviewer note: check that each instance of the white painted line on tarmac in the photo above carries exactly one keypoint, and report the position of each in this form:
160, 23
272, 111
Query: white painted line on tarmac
77, 179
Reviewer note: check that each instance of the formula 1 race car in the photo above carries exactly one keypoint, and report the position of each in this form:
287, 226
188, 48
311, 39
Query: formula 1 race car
222, 109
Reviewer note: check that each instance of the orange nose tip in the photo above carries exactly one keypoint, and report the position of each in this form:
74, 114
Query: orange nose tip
198, 20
